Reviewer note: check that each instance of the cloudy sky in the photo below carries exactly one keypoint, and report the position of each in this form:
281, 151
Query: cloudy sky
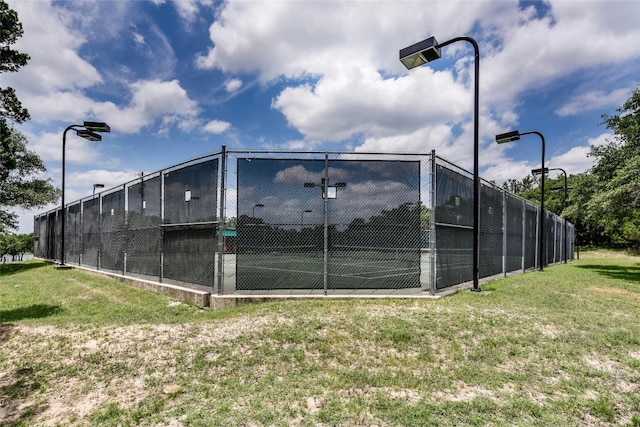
177, 79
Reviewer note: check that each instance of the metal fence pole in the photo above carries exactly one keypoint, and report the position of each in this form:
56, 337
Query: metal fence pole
504, 232
523, 218
98, 261
221, 219
432, 224
325, 194
538, 253
161, 233
125, 228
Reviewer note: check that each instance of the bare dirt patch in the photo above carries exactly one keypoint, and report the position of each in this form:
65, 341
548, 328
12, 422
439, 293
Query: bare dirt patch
91, 368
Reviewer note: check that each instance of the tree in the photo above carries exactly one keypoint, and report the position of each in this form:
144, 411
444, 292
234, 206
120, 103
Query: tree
18, 165
616, 201
18, 186
10, 61
516, 187
604, 203
16, 245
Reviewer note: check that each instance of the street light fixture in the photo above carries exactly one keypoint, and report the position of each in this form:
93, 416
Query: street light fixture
514, 136
97, 186
429, 50
539, 171
87, 131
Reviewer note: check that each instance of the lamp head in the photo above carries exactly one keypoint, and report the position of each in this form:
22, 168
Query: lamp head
309, 184
539, 171
98, 186
259, 205
89, 135
508, 137
97, 126
420, 53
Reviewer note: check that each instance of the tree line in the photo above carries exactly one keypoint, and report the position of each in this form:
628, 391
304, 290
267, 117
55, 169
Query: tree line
603, 202
15, 246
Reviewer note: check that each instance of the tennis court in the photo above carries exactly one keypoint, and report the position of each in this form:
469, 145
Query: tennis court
348, 267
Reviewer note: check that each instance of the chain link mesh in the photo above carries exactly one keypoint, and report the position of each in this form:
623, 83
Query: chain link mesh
303, 223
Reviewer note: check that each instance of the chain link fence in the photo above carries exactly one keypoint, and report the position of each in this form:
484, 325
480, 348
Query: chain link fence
240, 222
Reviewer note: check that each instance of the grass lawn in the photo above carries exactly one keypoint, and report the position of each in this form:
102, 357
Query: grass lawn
553, 348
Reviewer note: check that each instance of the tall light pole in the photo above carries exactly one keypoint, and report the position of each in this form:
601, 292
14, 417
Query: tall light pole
87, 131
429, 50
514, 136
564, 206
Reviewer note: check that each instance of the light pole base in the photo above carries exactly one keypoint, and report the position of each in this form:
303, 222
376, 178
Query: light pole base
63, 267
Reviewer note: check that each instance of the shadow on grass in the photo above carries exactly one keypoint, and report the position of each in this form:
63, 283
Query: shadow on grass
35, 311
18, 267
628, 274
15, 392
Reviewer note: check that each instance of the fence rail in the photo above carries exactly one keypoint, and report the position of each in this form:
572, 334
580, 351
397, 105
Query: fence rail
240, 222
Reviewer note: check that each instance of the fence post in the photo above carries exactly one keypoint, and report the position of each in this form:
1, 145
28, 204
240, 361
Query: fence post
161, 233
125, 228
504, 232
524, 236
325, 191
221, 219
538, 225
98, 261
80, 258
432, 225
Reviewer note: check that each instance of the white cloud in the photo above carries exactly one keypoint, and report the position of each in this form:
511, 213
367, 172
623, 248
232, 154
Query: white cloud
52, 46
217, 126
233, 85
54, 84
594, 100
574, 161
151, 100
138, 38
49, 147
425, 139
359, 100
574, 38
83, 181
257, 36
338, 84
508, 170
188, 9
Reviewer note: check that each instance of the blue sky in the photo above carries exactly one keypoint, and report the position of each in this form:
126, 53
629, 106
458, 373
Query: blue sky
177, 79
